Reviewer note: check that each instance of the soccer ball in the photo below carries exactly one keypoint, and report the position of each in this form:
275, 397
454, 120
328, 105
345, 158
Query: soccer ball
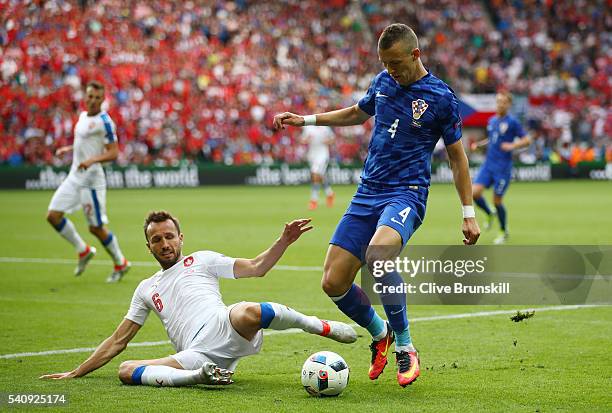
325, 374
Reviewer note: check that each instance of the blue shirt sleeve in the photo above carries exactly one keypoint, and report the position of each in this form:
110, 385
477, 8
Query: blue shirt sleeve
368, 102
450, 121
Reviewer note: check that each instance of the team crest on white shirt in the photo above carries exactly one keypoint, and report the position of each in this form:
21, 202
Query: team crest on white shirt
92, 125
188, 261
503, 127
419, 107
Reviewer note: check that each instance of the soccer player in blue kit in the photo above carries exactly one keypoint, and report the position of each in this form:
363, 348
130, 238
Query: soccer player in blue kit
412, 110
502, 131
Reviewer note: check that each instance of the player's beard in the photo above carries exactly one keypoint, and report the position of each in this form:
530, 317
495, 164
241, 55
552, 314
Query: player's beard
168, 260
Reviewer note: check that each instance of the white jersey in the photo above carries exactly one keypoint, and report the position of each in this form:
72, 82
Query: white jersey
184, 297
91, 134
318, 138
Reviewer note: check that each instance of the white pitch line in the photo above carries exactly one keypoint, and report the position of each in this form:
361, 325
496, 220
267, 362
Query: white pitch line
297, 330
66, 261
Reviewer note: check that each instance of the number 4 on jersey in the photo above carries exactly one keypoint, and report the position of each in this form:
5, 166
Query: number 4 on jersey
403, 215
393, 128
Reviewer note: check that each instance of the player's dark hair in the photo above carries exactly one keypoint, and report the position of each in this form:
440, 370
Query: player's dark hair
160, 216
95, 84
397, 32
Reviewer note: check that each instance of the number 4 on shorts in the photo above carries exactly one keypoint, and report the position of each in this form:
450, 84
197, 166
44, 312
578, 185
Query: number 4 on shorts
403, 215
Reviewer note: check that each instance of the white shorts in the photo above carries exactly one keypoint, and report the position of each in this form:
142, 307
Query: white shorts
219, 343
70, 196
318, 165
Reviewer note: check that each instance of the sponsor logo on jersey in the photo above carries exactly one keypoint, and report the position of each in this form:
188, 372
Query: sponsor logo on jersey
188, 261
419, 107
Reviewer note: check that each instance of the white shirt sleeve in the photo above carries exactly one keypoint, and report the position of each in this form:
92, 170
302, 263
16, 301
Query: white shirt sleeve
218, 265
138, 311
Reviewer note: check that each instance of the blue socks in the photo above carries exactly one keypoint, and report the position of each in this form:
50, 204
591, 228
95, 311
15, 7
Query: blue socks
395, 303
356, 305
395, 308
482, 203
501, 214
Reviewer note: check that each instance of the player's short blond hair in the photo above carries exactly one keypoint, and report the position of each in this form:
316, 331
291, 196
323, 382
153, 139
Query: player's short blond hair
160, 216
506, 94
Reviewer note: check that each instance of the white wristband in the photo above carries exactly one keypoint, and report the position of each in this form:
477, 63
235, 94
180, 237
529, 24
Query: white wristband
310, 120
468, 211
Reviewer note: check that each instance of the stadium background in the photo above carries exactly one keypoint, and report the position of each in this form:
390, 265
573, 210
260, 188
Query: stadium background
201, 81
193, 86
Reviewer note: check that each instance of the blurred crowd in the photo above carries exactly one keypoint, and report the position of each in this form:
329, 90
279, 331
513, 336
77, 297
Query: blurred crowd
201, 80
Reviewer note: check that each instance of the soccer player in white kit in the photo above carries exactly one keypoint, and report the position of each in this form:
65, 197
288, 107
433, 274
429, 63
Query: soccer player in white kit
209, 337
95, 141
318, 139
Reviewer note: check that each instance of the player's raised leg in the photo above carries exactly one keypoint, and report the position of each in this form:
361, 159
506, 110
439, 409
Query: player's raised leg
386, 244
248, 318
168, 372
94, 207
340, 269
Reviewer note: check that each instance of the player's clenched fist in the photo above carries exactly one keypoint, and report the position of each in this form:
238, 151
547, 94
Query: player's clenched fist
287, 118
471, 231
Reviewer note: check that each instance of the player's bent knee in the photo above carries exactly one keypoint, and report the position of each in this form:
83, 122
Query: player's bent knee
333, 286
125, 371
54, 217
252, 314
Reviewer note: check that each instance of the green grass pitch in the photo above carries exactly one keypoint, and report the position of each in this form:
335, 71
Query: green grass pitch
558, 360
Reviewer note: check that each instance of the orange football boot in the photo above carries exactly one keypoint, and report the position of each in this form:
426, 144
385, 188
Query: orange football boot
379, 350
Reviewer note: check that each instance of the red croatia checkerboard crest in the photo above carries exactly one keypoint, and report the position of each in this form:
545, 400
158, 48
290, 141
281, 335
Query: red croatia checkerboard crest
419, 107
188, 261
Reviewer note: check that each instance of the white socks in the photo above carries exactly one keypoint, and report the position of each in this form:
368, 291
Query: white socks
169, 376
314, 192
112, 246
67, 230
280, 317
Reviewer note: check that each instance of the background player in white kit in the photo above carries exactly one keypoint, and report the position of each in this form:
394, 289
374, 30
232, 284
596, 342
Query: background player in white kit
318, 140
209, 337
95, 141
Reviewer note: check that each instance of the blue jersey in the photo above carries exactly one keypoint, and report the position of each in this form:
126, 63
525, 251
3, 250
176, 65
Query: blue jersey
409, 121
500, 130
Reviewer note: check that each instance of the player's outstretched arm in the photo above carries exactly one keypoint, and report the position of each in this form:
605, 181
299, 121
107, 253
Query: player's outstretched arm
461, 174
259, 266
517, 144
110, 154
105, 352
352, 115
62, 150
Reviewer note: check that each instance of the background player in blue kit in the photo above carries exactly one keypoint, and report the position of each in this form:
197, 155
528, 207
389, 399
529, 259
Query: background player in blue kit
502, 131
412, 110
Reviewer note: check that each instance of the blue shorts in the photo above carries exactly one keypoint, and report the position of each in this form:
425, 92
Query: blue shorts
499, 179
402, 209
